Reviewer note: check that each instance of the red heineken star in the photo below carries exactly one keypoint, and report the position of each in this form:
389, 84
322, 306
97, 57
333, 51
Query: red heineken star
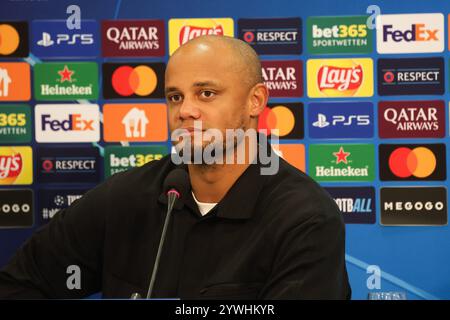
66, 74
341, 156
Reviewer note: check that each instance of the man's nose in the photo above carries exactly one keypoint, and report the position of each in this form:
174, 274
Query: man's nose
188, 110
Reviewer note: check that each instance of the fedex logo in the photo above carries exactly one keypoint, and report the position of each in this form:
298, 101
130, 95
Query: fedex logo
67, 123
417, 32
74, 122
410, 33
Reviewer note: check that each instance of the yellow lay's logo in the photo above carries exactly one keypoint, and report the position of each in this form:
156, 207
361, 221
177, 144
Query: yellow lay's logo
340, 78
183, 30
16, 165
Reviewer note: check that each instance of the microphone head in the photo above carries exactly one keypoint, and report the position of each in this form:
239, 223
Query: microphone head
178, 180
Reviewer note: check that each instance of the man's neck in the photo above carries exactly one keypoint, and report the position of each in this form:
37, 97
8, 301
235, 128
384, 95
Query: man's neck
210, 183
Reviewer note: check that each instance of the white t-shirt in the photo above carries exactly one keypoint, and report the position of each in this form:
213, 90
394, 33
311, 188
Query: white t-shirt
204, 207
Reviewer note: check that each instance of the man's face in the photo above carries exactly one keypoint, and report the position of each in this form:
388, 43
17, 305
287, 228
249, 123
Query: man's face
204, 84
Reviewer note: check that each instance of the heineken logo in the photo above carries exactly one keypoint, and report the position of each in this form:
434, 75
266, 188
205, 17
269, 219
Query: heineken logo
350, 162
66, 81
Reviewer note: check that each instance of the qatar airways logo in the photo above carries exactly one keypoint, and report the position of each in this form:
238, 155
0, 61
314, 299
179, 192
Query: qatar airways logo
190, 32
340, 78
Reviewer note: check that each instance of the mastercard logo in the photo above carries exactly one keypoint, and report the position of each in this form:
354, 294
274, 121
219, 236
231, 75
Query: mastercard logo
287, 119
419, 162
9, 39
140, 80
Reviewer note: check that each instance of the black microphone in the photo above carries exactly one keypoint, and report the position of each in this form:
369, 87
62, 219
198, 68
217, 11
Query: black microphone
176, 186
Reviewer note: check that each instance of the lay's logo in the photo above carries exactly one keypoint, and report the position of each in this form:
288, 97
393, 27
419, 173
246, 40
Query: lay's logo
183, 30
16, 166
340, 78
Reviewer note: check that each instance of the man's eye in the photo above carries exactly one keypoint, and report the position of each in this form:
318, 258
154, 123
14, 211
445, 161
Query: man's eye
207, 94
175, 98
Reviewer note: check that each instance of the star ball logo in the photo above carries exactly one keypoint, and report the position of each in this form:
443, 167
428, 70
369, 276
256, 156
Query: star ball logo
412, 162
16, 166
66, 81
329, 78
52, 201
411, 119
272, 36
287, 118
357, 204
183, 30
133, 80
283, 78
329, 35
347, 162
410, 33
133, 38
14, 39
411, 76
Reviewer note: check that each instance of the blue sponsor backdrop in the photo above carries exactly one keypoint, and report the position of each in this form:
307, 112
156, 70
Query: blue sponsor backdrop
409, 258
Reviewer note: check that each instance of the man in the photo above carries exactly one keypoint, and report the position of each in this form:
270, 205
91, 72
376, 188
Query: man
238, 234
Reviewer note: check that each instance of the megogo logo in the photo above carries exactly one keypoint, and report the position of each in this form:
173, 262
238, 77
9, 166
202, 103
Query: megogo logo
67, 123
287, 118
133, 80
137, 38
16, 208
16, 165
339, 35
183, 30
410, 33
340, 78
411, 119
412, 162
283, 78
413, 206
14, 39
15, 123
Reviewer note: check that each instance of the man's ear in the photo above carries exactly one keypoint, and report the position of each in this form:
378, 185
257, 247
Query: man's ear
259, 96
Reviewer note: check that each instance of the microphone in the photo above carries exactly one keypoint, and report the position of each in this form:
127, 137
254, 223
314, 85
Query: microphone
176, 186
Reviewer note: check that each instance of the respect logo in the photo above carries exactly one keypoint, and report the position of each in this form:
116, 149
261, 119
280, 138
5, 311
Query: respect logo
16, 165
15, 123
66, 81
14, 39
329, 78
133, 80
183, 30
287, 118
410, 33
412, 162
329, 35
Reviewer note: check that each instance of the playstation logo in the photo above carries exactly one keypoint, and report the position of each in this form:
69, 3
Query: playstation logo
46, 40
321, 121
